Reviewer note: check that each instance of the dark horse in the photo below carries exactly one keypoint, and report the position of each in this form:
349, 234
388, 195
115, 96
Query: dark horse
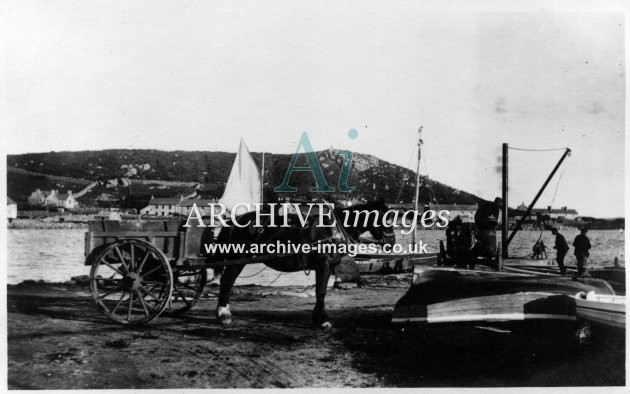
322, 263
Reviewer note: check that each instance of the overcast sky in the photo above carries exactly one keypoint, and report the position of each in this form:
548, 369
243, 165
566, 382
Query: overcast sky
199, 75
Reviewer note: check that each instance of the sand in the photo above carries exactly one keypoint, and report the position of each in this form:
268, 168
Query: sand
58, 340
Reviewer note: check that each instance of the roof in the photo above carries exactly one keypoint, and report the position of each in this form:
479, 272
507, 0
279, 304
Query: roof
165, 201
199, 202
10, 202
545, 210
453, 207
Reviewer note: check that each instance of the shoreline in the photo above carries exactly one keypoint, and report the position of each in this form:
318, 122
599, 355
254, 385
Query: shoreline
59, 340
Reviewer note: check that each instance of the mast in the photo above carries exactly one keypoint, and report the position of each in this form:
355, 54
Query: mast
417, 192
262, 179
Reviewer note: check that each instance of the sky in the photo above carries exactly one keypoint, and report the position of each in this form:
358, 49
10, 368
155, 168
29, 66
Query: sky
199, 75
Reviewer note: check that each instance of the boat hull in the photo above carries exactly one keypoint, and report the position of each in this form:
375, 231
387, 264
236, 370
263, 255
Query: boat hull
447, 295
609, 311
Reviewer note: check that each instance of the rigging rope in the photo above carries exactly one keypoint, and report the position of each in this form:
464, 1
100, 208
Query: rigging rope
404, 182
273, 281
431, 192
250, 276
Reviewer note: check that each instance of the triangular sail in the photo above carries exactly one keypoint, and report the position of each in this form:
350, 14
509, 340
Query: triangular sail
243, 185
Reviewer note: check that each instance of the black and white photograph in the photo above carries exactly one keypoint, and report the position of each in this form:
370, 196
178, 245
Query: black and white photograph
313, 194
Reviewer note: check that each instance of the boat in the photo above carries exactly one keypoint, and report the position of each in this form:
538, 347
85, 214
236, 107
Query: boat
392, 263
499, 289
388, 263
603, 309
616, 276
449, 295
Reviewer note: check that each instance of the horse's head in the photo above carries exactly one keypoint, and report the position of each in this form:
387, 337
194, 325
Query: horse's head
375, 212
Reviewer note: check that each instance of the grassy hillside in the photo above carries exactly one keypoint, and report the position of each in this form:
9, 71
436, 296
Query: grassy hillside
370, 176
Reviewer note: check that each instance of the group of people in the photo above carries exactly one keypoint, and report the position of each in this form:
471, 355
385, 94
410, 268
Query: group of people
486, 219
581, 244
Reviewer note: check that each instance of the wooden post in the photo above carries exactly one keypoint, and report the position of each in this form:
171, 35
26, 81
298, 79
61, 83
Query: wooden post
504, 190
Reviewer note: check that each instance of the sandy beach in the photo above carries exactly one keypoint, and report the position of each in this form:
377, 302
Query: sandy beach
58, 340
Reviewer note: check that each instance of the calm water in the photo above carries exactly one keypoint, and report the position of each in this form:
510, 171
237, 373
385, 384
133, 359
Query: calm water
57, 255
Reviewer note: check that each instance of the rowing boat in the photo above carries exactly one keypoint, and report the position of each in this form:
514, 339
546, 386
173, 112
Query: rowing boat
604, 309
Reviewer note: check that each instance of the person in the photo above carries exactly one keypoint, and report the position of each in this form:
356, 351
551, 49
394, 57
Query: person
539, 250
452, 232
561, 248
487, 214
582, 244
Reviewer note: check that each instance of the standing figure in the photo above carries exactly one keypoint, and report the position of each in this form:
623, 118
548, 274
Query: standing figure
561, 248
539, 250
487, 214
581, 244
486, 219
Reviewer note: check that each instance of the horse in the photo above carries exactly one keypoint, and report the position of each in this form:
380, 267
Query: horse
310, 232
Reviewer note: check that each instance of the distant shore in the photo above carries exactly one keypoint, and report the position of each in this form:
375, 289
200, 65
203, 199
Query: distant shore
52, 223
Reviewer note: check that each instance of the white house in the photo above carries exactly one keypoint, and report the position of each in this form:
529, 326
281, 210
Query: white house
61, 200
162, 206
37, 198
202, 205
465, 212
11, 209
560, 214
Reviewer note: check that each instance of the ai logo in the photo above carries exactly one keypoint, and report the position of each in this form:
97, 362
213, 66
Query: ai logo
316, 170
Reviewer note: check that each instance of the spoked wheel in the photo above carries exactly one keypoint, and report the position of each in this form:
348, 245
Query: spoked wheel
131, 281
188, 285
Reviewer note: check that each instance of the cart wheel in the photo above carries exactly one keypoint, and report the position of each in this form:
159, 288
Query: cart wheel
131, 281
188, 285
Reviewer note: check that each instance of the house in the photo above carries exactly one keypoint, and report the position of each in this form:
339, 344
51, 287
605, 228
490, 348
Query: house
11, 209
37, 198
162, 206
465, 212
61, 200
108, 200
560, 214
203, 206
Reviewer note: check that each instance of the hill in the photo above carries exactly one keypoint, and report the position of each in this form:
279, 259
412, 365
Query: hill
146, 168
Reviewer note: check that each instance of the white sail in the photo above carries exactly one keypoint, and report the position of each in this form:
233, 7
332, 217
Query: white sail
243, 185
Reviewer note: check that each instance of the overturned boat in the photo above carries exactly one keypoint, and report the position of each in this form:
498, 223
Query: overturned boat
447, 295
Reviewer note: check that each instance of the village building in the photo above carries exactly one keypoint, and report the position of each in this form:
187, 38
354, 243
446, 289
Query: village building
11, 209
162, 206
465, 212
185, 207
554, 214
37, 198
61, 200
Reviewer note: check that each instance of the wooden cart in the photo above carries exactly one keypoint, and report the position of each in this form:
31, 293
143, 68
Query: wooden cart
141, 269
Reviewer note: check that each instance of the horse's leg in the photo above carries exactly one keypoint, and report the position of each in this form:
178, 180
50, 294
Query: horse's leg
227, 281
322, 274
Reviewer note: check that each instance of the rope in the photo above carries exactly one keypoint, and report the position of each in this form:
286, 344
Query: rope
431, 192
273, 281
251, 276
538, 150
404, 182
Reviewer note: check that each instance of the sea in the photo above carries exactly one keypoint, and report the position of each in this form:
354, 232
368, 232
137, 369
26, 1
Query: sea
57, 255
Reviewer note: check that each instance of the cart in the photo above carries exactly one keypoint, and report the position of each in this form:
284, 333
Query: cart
143, 268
